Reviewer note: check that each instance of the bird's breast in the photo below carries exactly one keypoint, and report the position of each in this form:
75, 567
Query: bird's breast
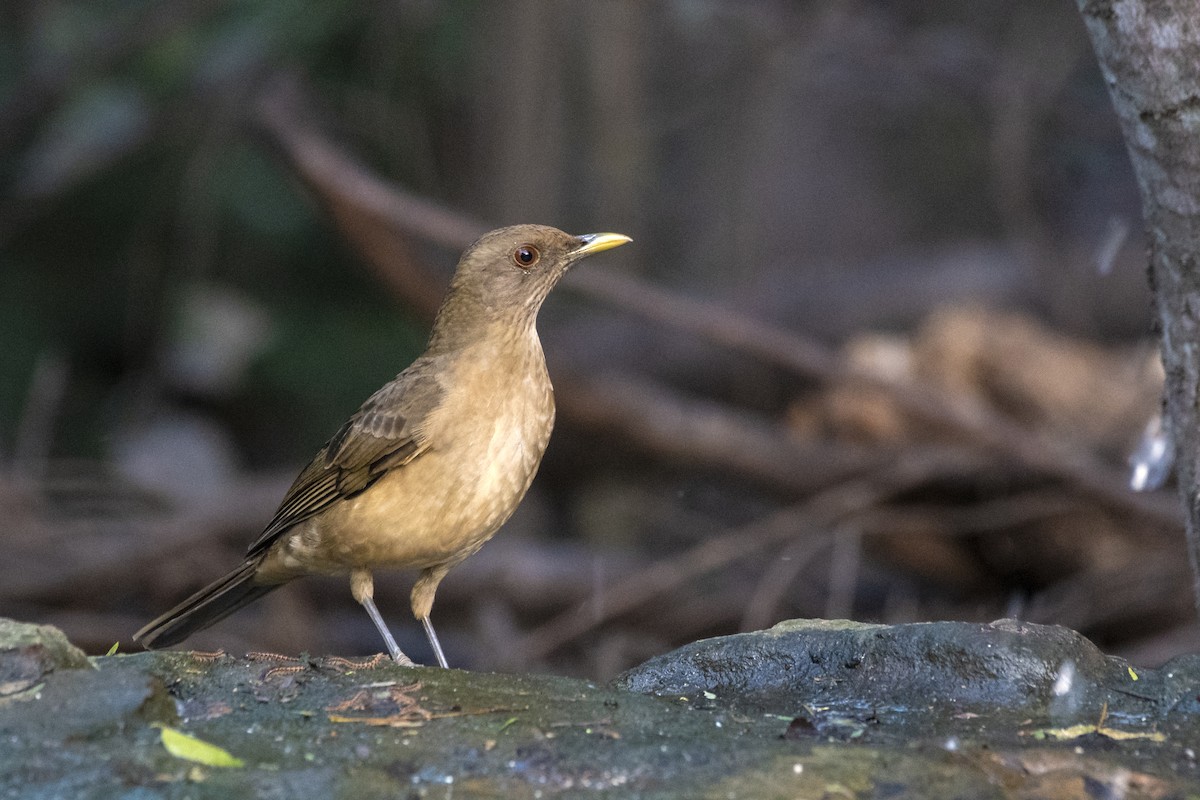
485, 442
489, 435
499, 421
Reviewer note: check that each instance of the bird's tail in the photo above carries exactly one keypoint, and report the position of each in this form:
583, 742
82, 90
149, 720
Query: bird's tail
206, 607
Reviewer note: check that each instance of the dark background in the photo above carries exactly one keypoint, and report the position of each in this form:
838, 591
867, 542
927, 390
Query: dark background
183, 327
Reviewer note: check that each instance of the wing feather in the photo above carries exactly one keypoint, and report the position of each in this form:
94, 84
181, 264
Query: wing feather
385, 434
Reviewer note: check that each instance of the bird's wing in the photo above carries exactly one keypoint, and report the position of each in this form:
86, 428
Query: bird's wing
386, 433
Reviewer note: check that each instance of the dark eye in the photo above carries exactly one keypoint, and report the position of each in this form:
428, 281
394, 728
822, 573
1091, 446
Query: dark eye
525, 256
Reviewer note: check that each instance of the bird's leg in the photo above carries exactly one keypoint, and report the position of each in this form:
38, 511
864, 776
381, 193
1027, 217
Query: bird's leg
363, 589
434, 643
393, 649
422, 602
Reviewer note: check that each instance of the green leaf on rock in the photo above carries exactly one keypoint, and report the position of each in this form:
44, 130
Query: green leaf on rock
189, 748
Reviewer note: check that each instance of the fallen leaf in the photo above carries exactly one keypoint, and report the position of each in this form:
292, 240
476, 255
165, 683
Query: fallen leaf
394, 721
20, 690
189, 748
1076, 731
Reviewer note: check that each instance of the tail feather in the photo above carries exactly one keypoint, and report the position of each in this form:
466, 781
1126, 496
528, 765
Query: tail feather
206, 607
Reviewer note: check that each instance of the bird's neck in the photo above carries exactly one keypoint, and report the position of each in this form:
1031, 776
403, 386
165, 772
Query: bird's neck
465, 320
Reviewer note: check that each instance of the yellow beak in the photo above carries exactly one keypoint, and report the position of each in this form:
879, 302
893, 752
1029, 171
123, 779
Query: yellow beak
599, 242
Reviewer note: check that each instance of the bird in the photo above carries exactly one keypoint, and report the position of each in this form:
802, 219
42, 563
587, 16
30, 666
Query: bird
434, 462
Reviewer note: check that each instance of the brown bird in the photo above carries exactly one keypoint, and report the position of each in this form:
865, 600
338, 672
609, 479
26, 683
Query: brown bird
434, 462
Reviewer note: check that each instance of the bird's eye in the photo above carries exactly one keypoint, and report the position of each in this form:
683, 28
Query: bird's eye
525, 256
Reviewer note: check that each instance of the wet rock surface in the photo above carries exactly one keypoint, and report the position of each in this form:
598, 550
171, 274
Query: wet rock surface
28, 652
920, 671
806, 709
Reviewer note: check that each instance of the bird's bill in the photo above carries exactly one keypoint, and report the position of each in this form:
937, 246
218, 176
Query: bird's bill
599, 242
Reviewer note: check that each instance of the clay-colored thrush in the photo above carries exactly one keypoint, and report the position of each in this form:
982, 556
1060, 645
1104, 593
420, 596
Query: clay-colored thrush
435, 461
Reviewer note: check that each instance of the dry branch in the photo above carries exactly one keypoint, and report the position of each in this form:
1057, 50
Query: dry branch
816, 514
90, 551
707, 434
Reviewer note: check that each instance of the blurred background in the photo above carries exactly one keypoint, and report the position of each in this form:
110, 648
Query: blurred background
880, 350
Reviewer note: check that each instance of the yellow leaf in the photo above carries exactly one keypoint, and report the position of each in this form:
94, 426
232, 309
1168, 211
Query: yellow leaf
1076, 731
189, 748
394, 721
112, 651
1133, 674
1113, 733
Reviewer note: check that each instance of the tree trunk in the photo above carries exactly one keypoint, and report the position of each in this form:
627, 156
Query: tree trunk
1149, 53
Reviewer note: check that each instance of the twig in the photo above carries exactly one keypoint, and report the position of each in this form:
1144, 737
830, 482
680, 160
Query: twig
1009, 512
820, 511
1153, 589
370, 213
784, 568
89, 552
708, 434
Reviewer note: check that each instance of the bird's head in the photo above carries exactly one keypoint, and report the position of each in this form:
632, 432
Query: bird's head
507, 273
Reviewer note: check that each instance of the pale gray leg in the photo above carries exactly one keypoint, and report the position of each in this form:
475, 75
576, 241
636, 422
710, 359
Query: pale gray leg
393, 648
363, 589
434, 643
